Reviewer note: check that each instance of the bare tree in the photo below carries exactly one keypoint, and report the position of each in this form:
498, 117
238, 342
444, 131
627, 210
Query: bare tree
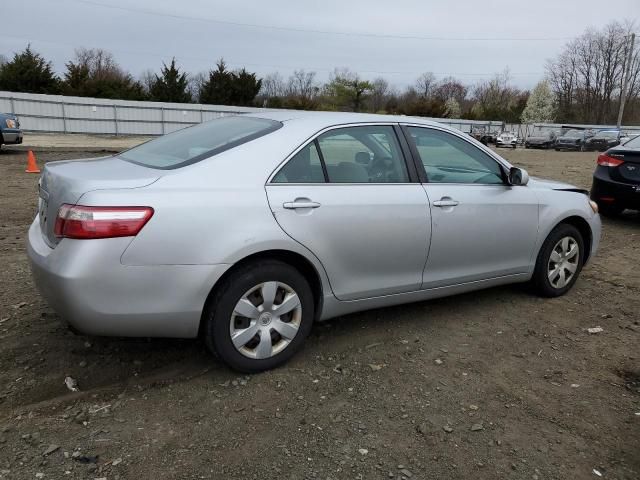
147, 78
497, 99
99, 63
196, 82
303, 84
587, 76
425, 84
450, 87
273, 86
379, 94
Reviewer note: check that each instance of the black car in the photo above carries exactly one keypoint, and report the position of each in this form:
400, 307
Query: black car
616, 180
573, 139
544, 139
604, 140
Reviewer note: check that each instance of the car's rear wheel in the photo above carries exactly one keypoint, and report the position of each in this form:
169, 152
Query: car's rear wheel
260, 316
559, 261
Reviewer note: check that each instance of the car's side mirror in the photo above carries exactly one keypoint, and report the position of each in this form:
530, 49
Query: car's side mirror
518, 176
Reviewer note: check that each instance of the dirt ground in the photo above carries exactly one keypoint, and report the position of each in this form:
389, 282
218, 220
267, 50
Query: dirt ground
493, 384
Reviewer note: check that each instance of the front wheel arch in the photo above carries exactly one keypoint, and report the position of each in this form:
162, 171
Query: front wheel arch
585, 230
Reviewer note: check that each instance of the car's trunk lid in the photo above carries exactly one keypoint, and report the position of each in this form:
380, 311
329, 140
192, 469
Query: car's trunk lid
629, 171
66, 181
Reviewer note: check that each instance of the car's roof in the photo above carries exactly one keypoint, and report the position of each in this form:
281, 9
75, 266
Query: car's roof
325, 119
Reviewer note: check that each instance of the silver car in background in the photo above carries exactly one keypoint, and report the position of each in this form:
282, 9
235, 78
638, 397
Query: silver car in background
247, 229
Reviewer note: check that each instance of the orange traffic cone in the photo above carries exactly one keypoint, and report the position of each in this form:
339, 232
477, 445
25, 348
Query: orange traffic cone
32, 166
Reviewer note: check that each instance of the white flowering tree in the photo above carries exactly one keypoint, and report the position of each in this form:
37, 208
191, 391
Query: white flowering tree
452, 107
540, 105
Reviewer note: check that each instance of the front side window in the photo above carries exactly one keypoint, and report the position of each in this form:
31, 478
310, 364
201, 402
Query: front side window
449, 159
193, 144
367, 154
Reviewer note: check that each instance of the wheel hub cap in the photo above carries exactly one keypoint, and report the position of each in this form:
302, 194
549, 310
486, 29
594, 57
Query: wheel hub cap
563, 262
265, 320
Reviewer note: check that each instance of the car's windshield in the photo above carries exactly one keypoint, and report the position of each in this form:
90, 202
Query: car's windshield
606, 135
193, 144
574, 134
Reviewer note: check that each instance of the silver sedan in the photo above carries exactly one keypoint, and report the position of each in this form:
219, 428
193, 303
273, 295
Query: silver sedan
247, 229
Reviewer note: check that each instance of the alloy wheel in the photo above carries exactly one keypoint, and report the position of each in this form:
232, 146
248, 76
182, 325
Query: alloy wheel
563, 262
265, 320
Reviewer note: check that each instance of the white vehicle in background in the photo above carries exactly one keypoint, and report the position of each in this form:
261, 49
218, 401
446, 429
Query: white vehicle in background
507, 139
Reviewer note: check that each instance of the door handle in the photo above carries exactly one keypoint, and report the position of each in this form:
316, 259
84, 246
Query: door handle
300, 204
445, 202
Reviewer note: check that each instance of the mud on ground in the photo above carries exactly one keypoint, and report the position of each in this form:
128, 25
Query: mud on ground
492, 384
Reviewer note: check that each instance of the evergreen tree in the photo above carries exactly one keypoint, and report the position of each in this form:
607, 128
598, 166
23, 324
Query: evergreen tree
28, 72
224, 87
170, 85
245, 87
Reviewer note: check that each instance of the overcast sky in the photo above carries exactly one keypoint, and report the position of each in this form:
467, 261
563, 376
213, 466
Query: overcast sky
469, 39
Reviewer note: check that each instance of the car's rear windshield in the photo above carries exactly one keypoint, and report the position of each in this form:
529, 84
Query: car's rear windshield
193, 144
634, 142
574, 134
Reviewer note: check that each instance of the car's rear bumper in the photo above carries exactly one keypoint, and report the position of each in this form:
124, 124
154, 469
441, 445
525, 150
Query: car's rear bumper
605, 191
11, 136
85, 282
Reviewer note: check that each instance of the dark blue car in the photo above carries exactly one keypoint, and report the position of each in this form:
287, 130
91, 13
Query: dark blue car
10, 133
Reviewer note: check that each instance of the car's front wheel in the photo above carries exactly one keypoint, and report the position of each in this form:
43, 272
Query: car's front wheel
559, 261
260, 316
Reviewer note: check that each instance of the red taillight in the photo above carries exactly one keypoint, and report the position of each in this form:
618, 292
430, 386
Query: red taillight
82, 222
607, 161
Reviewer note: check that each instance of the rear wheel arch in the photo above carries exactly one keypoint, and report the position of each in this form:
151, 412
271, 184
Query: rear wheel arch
295, 260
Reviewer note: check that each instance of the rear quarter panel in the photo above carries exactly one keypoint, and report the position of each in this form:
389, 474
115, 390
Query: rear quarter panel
212, 212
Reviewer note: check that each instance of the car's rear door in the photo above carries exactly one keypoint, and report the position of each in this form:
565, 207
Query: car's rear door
482, 227
351, 198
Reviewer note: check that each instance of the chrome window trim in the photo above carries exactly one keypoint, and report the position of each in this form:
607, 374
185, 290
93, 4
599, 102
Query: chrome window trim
327, 129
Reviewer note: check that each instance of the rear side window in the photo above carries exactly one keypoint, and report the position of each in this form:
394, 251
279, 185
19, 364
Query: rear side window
366, 154
193, 144
304, 167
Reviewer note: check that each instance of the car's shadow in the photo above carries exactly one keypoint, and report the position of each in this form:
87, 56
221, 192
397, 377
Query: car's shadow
119, 363
628, 217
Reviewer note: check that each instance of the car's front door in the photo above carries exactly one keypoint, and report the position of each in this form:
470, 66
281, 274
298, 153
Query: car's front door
482, 227
348, 197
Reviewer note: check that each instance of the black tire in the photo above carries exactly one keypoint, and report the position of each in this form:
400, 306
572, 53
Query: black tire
610, 210
221, 305
557, 149
540, 280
